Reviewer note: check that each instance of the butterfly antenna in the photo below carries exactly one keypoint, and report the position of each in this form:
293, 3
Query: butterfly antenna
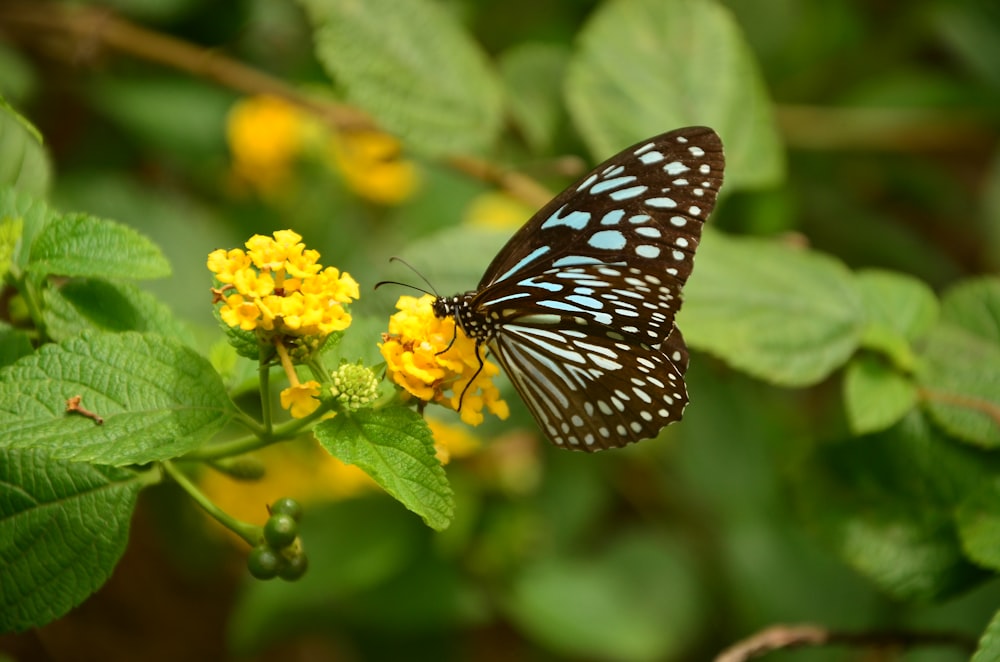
432, 291
396, 282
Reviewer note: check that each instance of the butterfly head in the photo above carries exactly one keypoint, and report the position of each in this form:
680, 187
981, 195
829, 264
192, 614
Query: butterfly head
461, 309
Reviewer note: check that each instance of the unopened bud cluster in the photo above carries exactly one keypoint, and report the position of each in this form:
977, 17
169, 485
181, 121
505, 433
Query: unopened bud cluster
354, 385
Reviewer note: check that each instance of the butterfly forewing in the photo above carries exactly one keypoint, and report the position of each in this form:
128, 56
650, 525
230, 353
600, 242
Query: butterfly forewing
579, 306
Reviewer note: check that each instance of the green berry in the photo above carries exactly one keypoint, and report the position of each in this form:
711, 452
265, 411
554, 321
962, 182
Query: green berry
264, 562
287, 506
280, 530
294, 567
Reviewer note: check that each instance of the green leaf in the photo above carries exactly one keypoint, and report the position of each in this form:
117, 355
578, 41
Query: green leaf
974, 305
14, 344
782, 314
24, 164
886, 504
91, 304
395, 447
899, 309
960, 372
158, 398
979, 525
413, 67
876, 396
647, 66
82, 245
959, 377
989, 644
897, 301
11, 230
63, 527
29, 215
640, 591
533, 74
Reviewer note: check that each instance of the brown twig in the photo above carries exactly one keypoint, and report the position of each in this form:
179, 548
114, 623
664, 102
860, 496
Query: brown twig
902, 130
90, 26
966, 402
784, 637
73, 406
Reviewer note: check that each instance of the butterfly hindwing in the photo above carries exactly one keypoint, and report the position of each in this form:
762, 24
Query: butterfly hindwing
589, 389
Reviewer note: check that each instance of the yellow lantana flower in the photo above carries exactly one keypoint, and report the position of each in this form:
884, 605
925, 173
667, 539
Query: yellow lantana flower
287, 298
372, 167
265, 136
281, 288
435, 362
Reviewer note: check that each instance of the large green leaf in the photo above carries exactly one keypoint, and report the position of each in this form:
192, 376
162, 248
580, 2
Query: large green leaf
783, 314
989, 644
395, 447
960, 371
533, 74
886, 503
24, 165
647, 66
82, 245
158, 399
63, 527
92, 304
25, 216
413, 67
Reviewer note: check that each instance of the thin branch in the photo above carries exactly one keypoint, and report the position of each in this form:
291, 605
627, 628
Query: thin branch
967, 402
88, 26
784, 637
901, 130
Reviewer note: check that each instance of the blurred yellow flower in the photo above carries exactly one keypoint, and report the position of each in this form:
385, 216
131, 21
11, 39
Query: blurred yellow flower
452, 441
300, 469
497, 210
265, 135
372, 167
435, 362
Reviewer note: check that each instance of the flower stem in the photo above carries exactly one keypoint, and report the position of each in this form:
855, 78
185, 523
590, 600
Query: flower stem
251, 533
264, 373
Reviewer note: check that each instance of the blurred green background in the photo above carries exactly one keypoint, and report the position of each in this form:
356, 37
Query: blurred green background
673, 549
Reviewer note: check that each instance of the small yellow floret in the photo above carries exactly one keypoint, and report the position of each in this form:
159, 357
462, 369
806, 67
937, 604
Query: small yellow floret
301, 399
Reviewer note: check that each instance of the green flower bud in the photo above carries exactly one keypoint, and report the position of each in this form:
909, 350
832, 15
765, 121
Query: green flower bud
354, 385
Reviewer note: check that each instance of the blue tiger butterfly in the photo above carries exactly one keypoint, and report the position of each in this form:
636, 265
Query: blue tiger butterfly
579, 306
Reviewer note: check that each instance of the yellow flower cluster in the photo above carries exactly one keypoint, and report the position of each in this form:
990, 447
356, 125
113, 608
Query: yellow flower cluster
281, 289
415, 356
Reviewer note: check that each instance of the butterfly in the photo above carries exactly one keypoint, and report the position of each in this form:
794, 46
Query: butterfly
578, 307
